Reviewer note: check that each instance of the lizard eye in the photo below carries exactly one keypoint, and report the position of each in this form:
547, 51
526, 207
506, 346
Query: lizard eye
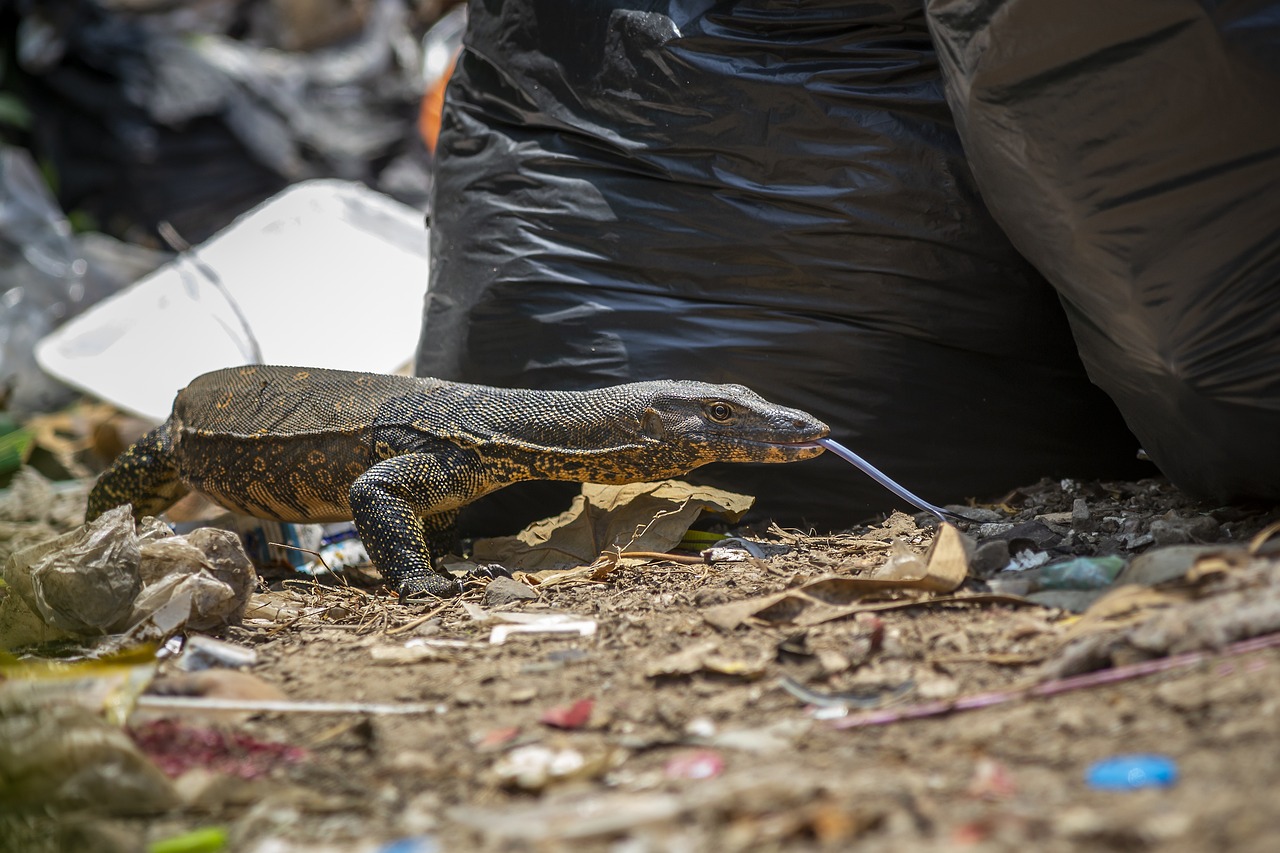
720, 412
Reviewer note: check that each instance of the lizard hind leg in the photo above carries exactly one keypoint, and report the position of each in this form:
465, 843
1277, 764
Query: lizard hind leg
145, 476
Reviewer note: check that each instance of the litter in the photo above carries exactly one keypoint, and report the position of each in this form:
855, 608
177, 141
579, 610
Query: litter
201, 652
695, 764
639, 517
209, 839
181, 704
583, 628
573, 716
534, 767
110, 577
1048, 688
68, 757
176, 747
1082, 573
293, 256
1130, 772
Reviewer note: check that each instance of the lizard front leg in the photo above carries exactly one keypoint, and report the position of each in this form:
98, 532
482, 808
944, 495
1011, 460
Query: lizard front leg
405, 508
145, 476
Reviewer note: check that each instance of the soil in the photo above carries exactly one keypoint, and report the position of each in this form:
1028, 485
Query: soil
661, 732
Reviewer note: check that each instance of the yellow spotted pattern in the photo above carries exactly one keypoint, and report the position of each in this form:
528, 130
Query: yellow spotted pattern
402, 455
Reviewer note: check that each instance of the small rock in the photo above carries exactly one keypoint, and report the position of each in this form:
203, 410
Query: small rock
1204, 528
1009, 584
1183, 696
1081, 518
1073, 600
980, 514
1171, 529
1029, 535
990, 557
1163, 564
506, 591
1132, 536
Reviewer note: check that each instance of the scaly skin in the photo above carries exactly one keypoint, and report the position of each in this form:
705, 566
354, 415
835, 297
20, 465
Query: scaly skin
400, 456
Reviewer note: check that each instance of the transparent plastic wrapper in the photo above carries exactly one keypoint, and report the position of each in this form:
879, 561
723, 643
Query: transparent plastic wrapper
106, 578
67, 757
1132, 153
767, 195
47, 275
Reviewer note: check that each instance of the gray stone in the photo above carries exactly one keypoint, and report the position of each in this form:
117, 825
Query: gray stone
1081, 518
506, 591
990, 557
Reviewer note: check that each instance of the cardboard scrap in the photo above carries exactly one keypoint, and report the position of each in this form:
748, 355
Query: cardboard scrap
637, 517
836, 596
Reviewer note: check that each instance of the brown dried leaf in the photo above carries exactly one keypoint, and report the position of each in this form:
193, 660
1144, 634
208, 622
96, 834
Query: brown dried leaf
637, 517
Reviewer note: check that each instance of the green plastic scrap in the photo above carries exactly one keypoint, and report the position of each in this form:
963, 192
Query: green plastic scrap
15, 447
1081, 573
209, 839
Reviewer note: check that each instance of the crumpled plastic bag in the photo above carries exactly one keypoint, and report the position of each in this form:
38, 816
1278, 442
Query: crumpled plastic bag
69, 756
110, 577
84, 581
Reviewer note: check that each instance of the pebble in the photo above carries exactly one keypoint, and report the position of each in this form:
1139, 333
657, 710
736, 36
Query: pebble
502, 591
1081, 518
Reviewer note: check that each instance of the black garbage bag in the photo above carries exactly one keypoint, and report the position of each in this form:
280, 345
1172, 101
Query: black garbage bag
766, 194
1132, 152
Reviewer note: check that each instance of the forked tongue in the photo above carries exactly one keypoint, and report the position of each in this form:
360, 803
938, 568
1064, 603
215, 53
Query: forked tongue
892, 485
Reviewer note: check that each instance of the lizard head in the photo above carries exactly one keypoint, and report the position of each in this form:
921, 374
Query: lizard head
728, 423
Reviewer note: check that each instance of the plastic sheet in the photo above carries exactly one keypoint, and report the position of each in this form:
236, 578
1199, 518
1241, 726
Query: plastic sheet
1132, 153
768, 195
47, 275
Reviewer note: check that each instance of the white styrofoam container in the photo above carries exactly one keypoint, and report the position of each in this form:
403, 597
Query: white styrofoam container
326, 274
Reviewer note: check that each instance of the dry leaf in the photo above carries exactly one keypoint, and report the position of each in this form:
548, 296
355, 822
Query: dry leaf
635, 517
837, 596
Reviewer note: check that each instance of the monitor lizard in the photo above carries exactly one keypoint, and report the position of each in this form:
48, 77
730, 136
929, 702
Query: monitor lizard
401, 455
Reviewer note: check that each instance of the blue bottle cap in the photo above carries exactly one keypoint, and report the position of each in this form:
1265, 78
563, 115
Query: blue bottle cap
1128, 772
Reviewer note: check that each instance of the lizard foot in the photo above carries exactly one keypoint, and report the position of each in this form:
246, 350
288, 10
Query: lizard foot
489, 571
430, 586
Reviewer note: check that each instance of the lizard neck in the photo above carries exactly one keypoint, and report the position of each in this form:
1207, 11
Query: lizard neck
583, 436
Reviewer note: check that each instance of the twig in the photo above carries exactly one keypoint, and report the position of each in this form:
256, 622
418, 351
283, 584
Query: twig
683, 559
202, 703
427, 617
315, 554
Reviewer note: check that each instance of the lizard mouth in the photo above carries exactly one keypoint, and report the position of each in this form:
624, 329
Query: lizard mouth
792, 450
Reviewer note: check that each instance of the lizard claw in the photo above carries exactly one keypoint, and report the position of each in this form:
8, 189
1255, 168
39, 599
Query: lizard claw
429, 586
490, 571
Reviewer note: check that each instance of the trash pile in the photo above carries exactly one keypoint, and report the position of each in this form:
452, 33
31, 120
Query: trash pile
199, 113
1080, 663
305, 111
637, 656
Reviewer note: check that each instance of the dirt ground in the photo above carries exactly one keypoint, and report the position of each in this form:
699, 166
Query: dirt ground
662, 731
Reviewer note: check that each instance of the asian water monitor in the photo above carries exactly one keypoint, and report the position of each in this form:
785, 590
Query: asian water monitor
401, 455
